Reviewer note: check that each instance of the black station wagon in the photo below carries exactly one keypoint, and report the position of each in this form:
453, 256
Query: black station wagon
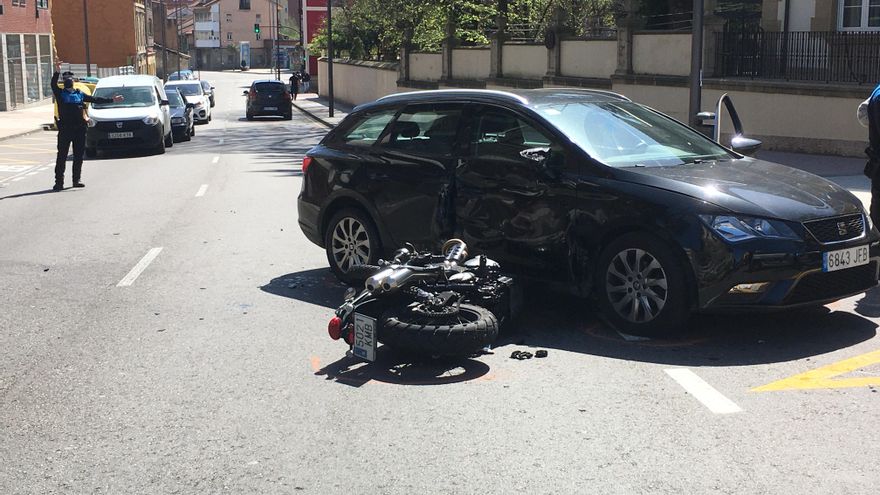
589, 191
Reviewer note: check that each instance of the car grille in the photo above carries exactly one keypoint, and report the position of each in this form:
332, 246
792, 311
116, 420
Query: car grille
837, 229
822, 286
127, 125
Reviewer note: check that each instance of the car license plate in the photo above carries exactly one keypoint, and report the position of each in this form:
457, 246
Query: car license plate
364, 337
120, 135
270, 108
845, 258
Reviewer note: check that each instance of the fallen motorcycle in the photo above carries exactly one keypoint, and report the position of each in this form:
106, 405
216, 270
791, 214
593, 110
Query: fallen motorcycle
425, 303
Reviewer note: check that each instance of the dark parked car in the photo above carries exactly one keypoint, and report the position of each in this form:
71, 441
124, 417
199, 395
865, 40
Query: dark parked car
591, 191
269, 97
182, 120
209, 90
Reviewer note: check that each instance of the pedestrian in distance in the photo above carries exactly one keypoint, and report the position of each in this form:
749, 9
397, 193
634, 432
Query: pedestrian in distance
294, 83
72, 123
869, 116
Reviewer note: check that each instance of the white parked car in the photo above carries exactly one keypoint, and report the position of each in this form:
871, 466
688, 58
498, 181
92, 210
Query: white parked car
141, 120
195, 94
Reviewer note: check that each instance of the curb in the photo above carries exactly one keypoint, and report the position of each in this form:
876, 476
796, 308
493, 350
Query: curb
314, 117
22, 133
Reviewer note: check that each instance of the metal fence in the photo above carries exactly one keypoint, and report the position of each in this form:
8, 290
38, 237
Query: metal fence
818, 56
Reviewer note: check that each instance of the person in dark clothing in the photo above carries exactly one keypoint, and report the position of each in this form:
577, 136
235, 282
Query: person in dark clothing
870, 110
294, 83
72, 127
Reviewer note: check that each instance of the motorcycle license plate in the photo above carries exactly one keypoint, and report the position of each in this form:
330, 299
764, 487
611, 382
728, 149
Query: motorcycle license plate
845, 258
364, 337
120, 135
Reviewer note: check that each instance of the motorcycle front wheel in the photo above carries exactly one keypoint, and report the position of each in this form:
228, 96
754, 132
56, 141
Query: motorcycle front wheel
461, 334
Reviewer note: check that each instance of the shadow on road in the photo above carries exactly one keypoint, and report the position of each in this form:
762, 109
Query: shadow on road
556, 321
34, 193
400, 369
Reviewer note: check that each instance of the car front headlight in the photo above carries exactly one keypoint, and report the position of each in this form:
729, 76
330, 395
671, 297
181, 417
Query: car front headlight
869, 221
151, 120
740, 228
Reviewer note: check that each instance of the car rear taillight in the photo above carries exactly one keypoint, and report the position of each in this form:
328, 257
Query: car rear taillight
334, 328
252, 95
286, 96
306, 162
349, 335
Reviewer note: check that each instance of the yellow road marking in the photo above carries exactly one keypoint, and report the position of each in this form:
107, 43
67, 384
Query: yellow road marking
25, 147
15, 160
824, 377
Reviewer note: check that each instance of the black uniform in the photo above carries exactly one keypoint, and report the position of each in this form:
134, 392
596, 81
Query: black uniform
294, 83
71, 128
872, 168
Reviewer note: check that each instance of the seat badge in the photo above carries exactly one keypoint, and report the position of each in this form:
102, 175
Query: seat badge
841, 228
119, 126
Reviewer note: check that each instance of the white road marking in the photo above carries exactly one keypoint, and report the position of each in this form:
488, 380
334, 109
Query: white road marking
16, 179
216, 159
31, 173
202, 190
43, 168
140, 267
702, 391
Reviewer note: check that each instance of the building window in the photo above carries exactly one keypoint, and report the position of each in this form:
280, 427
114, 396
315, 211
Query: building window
18, 2
228, 17
42, 4
229, 37
859, 15
244, 4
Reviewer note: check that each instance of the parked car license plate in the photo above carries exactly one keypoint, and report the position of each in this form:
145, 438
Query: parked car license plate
120, 135
270, 108
845, 258
364, 337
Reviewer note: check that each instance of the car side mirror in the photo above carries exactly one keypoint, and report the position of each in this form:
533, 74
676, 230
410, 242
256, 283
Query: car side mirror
164, 103
745, 146
245, 92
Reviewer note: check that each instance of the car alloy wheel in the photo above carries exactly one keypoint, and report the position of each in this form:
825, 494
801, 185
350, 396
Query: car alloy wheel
350, 240
636, 285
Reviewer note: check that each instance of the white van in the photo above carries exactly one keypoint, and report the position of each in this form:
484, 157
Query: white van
141, 121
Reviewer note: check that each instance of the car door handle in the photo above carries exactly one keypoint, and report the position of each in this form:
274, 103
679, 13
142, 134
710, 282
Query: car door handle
527, 193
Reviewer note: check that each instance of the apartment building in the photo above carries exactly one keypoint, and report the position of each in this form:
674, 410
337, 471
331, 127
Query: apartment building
26, 61
221, 27
117, 33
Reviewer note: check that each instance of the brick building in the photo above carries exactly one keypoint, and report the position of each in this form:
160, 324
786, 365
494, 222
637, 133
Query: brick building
26, 62
117, 33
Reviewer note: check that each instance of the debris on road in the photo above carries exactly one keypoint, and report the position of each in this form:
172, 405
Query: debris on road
521, 355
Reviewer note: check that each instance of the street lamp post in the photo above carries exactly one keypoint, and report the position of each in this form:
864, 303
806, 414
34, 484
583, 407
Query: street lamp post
86, 36
330, 57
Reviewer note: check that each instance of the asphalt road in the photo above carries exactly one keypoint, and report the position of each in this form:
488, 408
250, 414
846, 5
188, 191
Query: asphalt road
211, 371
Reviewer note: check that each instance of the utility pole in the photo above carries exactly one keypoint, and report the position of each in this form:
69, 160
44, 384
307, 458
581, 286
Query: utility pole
177, 24
277, 37
330, 57
696, 79
164, 10
86, 36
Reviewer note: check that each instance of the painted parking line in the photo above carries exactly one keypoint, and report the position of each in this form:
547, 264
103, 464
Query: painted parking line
140, 267
714, 400
215, 159
825, 377
202, 190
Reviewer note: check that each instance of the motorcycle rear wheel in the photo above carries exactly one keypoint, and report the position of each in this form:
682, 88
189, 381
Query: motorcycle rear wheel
465, 333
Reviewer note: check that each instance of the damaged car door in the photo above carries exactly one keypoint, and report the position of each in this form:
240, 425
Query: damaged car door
513, 196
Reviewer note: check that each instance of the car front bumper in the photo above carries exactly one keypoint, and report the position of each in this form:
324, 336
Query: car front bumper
142, 136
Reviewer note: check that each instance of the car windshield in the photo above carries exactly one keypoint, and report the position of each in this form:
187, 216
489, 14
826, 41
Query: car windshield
175, 99
269, 87
133, 96
626, 134
192, 89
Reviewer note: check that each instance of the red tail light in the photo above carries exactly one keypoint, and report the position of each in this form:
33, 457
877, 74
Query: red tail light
252, 95
306, 162
286, 96
334, 328
349, 336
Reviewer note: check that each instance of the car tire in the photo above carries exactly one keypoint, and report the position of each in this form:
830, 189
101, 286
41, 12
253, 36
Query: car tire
192, 129
210, 117
249, 116
169, 140
641, 286
463, 334
187, 136
351, 239
288, 116
160, 149
91, 152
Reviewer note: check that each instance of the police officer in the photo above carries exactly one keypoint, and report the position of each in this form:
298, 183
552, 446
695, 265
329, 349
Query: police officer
869, 116
72, 127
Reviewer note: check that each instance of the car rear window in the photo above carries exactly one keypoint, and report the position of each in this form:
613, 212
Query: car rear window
269, 87
368, 130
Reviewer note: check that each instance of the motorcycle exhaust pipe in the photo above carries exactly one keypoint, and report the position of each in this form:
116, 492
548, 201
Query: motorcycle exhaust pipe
376, 281
455, 250
397, 279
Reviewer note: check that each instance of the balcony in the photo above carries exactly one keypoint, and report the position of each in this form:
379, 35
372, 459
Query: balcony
815, 56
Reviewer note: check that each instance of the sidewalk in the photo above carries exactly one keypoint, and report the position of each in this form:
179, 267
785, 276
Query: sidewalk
317, 108
18, 122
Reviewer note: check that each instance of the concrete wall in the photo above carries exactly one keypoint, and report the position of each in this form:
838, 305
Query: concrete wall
525, 61
357, 82
425, 66
670, 100
471, 63
589, 58
668, 54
